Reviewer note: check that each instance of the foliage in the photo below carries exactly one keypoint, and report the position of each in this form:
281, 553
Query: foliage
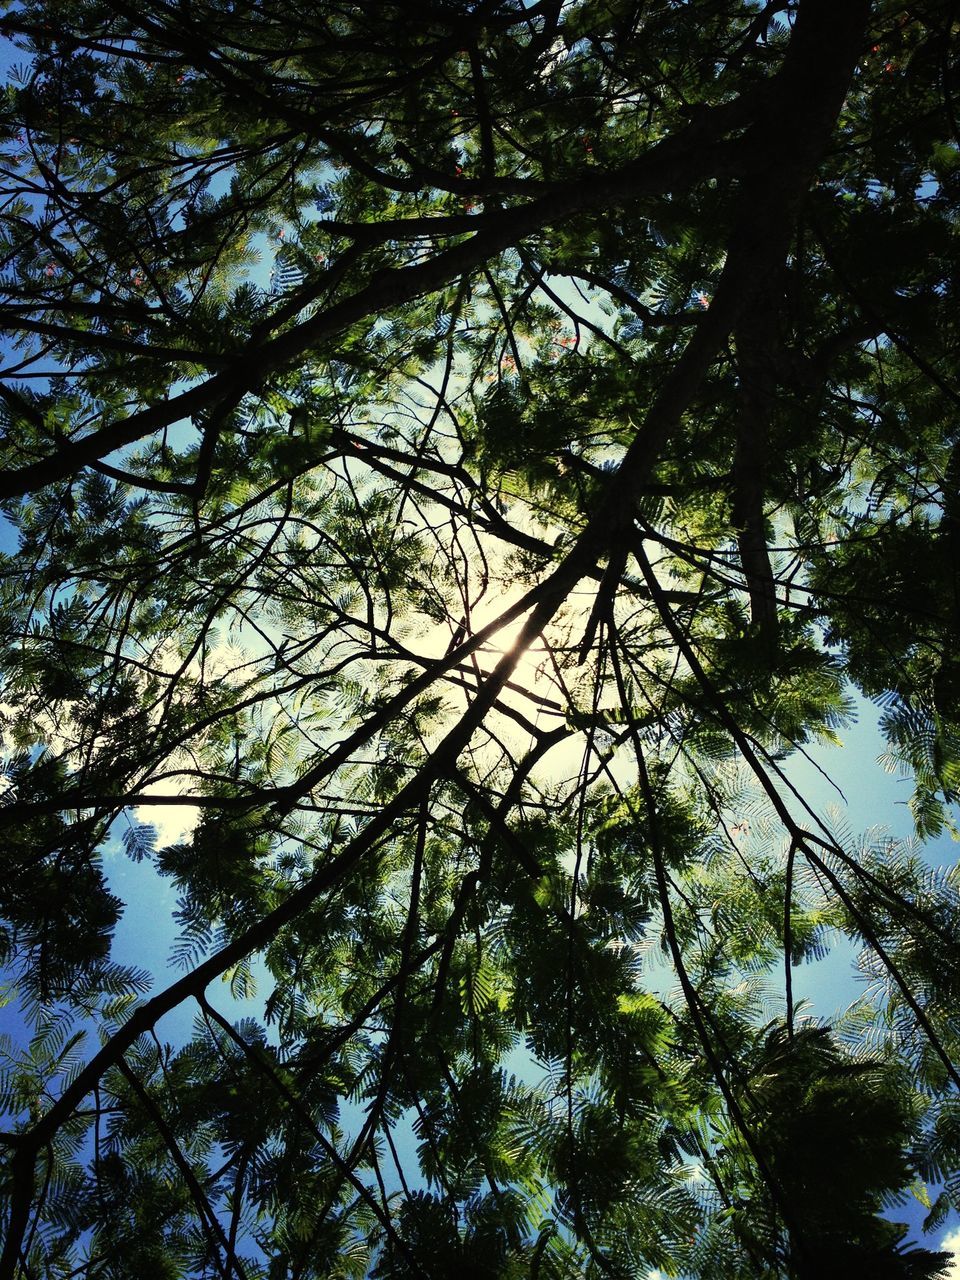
453, 454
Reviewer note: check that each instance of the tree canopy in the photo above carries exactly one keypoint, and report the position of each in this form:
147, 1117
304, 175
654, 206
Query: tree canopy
454, 453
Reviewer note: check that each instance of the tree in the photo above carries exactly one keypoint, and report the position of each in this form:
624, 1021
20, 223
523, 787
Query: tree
460, 451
